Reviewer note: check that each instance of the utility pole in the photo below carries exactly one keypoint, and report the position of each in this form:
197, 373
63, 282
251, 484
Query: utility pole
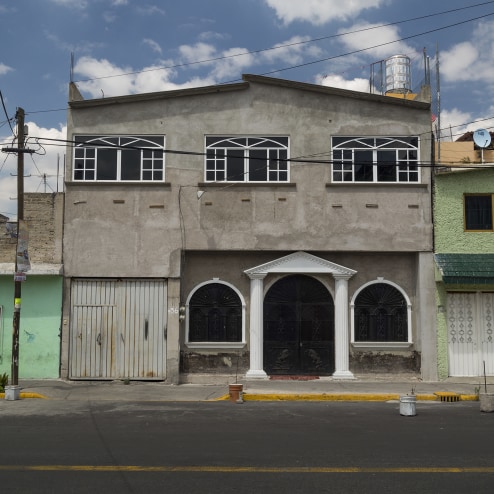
20, 218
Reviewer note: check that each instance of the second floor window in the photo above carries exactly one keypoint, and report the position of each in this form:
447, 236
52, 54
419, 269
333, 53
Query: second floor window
375, 159
119, 158
246, 159
478, 212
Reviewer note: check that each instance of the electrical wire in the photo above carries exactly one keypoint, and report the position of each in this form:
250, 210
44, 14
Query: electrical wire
288, 45
5, 111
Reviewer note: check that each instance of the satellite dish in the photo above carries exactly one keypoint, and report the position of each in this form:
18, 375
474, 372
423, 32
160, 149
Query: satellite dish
482, 138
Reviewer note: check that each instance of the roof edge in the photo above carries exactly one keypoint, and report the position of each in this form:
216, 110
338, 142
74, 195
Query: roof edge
174, 93
335, 91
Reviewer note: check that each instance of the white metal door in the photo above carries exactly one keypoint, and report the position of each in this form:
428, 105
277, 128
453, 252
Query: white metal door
470, 333
118, 329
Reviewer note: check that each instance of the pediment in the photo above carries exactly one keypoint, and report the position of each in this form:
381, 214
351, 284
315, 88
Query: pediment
300, 262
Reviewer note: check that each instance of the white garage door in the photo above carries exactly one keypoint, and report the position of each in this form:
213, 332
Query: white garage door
470, 333
118, 329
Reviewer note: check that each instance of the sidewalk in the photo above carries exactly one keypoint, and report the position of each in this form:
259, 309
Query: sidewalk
363, 388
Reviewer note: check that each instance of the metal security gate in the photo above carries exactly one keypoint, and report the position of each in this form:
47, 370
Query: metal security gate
470, 333
298, 327
118, 329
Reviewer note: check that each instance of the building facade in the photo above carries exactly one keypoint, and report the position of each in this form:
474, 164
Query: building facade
260, 228
41, 308
464, 246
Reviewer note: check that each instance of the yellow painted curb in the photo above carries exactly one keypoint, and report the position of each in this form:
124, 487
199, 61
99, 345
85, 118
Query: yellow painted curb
320, 397
27, 395
340, 397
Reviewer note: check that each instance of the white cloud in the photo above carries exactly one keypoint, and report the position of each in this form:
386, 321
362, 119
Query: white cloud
128, 81
374, 35
454, 123
77, 4
153, 45
471, 60
338, 81
292, 51
455, 63
150, 10
41, 169
4, 69
197, 52
117, 3
320, 11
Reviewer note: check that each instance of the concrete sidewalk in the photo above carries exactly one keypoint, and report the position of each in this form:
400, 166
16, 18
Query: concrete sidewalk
363, 388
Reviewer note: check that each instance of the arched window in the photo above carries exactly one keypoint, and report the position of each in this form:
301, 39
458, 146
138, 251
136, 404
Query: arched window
215, 316
381, 315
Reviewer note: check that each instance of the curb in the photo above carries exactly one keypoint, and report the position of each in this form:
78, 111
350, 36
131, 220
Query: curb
341, 397
27, 395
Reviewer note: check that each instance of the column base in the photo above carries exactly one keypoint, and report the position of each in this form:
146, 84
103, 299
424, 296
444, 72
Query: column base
256, 374
343, 374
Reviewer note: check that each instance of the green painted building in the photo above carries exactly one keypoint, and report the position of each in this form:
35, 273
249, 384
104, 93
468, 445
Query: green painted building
41, 301
464, 255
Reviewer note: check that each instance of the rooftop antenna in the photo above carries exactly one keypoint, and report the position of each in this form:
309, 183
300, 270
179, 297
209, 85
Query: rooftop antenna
71, 67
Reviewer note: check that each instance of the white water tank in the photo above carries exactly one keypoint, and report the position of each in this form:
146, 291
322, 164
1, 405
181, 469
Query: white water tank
398, 74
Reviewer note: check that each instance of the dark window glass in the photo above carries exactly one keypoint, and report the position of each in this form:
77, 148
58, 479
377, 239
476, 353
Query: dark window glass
131, 164
478, 212
235, 165
107, 164
386, 166
258, 165
363, 166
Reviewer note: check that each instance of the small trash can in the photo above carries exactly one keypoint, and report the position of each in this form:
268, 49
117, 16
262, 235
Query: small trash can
408, 405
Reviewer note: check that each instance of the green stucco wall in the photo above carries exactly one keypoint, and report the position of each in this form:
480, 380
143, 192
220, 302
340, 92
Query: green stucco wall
39, 344
449, 234
442, 332
450, 238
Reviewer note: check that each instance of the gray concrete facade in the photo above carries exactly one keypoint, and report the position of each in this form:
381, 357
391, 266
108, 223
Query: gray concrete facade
162, 230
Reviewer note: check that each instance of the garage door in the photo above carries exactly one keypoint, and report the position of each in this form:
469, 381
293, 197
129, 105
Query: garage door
118, 329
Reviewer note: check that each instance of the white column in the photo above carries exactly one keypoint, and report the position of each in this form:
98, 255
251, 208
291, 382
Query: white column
256, 370
341, 333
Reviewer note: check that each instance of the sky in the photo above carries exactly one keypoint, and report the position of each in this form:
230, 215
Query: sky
118, 47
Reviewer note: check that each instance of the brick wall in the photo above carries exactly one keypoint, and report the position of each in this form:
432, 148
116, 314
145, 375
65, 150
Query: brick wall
44, 215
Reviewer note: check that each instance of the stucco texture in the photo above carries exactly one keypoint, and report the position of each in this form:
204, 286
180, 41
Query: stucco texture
39, 341
450, 236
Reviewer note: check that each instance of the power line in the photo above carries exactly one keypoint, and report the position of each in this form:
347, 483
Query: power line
313, 40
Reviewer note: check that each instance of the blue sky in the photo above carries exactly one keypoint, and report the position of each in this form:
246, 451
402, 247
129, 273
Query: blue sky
130, 46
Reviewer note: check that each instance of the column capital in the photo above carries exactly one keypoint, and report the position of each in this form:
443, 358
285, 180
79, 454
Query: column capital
257, 276
342, 276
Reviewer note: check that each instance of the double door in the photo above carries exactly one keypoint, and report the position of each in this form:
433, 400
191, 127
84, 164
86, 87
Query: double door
470, 333
118, 329
298, 328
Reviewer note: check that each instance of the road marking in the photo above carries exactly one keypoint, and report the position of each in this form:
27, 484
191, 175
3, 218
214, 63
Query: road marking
239, 469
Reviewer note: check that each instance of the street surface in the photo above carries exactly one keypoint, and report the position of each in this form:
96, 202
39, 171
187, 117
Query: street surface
51, 446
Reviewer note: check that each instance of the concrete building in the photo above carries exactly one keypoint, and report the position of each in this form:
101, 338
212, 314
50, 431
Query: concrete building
40, 322
259, 228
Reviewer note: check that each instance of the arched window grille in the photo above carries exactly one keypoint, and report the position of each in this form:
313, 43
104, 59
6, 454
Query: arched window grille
380, 314
215, 313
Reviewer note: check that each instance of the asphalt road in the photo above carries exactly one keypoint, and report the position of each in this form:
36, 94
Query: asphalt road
255, 447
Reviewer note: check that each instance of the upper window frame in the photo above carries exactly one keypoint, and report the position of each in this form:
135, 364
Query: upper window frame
240, 149
465, 214
404, 165
87, 147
